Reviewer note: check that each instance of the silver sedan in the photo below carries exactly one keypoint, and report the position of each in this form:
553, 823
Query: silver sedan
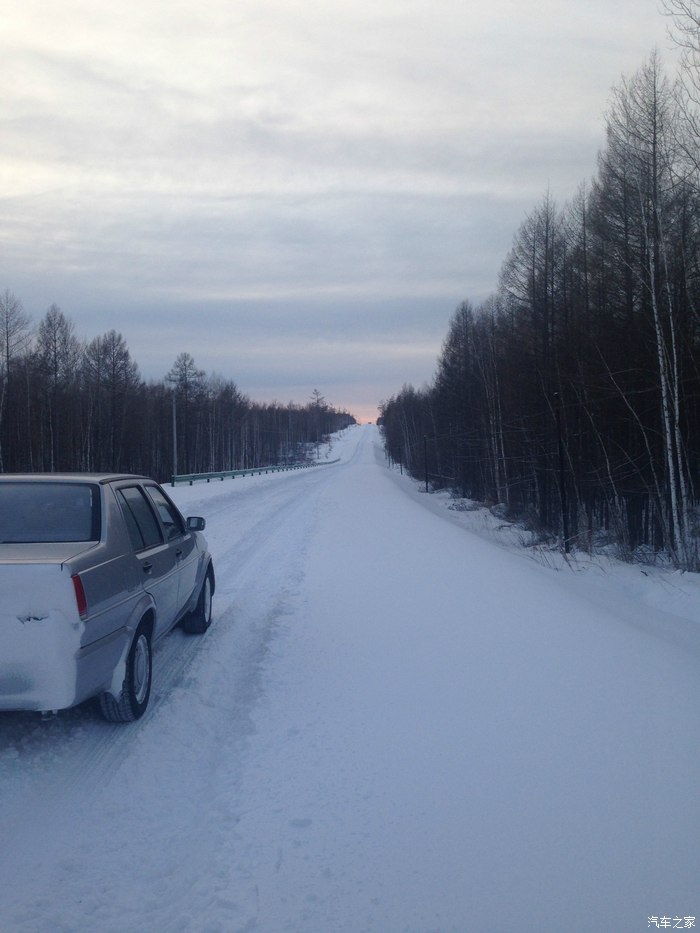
94, 568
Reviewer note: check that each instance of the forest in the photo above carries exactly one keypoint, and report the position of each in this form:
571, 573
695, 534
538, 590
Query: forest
67, 404
570, 397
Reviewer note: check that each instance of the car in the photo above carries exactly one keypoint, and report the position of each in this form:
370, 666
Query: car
95, 568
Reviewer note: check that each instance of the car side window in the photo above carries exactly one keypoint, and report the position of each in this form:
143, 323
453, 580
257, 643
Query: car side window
140, 520
172, 522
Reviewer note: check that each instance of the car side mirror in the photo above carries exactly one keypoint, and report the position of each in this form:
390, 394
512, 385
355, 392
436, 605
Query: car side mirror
195, 523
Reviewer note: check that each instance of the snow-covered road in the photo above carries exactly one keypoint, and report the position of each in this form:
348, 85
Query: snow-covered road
392, 725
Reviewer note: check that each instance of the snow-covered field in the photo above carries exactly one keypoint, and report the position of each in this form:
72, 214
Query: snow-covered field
396, 723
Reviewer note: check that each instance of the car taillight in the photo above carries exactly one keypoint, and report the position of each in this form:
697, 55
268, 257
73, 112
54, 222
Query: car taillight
80, 596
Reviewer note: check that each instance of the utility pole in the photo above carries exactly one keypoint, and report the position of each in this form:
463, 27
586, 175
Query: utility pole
562, 474
174, 384
174, 434
425, 459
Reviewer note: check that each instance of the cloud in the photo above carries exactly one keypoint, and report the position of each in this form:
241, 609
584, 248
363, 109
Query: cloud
314, 183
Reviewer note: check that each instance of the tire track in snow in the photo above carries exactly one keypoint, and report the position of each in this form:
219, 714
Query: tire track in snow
161, 767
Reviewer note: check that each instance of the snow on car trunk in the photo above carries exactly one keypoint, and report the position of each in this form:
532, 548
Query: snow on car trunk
40, 633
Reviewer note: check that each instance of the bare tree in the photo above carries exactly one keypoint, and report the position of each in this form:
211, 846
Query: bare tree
112, 378
188, 384
14, 338
58, 353
641, 122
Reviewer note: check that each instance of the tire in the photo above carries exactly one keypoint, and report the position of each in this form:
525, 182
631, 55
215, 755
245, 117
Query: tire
136, 689
199, 620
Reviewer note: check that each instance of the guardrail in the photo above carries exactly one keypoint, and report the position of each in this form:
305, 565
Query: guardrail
224, 474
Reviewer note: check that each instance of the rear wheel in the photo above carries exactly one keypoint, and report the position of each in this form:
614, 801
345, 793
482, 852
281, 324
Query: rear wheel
136, 689
199, 620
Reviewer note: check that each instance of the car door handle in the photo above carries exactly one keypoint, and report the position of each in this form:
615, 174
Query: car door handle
147, 566
178, 553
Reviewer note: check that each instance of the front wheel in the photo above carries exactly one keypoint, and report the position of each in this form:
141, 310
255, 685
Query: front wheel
199, 620
136, 689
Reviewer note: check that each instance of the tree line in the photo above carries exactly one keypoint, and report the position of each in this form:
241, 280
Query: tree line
572, 394
68, 404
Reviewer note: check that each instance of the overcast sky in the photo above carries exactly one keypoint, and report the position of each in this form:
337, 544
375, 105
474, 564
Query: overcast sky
297, 192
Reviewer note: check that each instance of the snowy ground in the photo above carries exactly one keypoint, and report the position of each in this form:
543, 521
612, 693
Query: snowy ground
395, 725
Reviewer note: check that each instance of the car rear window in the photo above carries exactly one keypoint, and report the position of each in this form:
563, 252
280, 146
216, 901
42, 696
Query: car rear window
33, 513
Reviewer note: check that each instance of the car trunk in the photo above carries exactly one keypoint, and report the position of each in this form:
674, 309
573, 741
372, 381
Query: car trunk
40, 630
